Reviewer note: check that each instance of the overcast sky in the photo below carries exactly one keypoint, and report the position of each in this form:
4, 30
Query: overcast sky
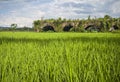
24, 12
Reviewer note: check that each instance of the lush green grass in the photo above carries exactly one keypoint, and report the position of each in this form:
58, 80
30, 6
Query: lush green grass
59, 57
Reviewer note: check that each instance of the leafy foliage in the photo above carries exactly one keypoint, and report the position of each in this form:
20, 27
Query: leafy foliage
102, 24
13, 26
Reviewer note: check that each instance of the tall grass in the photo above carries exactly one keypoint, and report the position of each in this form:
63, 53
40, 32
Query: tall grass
59, 57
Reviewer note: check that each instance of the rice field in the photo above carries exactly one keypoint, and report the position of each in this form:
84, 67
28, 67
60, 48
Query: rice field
59, 57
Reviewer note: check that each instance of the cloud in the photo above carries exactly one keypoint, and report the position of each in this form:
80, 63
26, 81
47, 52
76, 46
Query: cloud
88, 7
20, 19
23, 15
115, 9
24, 12
82, 8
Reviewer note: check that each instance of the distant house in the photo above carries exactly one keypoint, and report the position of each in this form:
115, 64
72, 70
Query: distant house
114, 27
92, 28
48, 28
67, 27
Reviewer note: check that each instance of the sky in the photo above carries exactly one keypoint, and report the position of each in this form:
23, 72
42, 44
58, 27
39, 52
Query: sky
24, 12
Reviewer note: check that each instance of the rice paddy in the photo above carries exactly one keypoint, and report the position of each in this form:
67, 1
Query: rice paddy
59, 57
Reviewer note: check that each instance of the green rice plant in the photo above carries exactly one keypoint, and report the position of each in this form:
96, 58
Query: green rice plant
59, 57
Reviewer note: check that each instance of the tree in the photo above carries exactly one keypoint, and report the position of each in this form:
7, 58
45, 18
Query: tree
37, 25
107, 17
13, 26
89, 18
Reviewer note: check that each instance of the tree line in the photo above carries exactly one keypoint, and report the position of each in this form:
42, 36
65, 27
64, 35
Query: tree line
105, 24
77, 25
